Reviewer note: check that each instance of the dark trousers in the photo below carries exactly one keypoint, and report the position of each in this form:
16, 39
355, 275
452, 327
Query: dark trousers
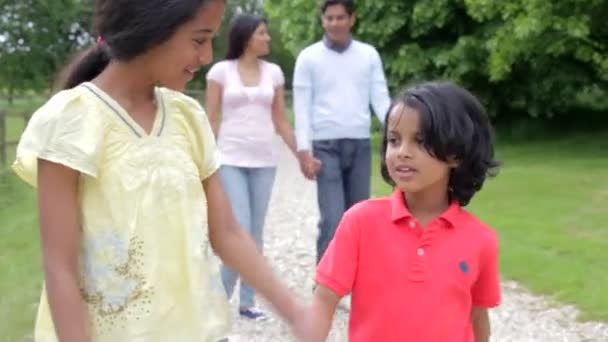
344, 179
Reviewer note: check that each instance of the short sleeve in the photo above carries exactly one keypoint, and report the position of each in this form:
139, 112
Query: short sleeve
201, 139
338, 266
278, 78
217, 73
486, 289
67, 131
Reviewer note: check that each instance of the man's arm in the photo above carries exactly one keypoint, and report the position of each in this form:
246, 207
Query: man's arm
302, 108
379, 96
302, 103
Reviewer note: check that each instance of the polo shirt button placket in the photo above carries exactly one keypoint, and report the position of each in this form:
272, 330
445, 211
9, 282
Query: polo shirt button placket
421, 251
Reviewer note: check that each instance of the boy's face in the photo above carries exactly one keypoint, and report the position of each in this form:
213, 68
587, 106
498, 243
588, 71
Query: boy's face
337, 23
408, 163
177, 60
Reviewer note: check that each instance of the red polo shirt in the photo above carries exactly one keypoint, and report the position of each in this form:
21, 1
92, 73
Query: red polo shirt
409, 283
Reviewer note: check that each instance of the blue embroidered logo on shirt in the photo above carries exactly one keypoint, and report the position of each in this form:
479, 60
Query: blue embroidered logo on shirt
463, 267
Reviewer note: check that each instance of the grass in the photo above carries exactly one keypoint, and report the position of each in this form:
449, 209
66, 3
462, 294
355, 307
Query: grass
548, 205
20, 272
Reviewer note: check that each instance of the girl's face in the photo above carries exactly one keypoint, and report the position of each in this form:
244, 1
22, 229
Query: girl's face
409, 164
176, 61
259, 43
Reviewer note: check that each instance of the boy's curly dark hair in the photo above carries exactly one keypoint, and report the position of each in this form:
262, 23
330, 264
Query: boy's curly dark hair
454, 125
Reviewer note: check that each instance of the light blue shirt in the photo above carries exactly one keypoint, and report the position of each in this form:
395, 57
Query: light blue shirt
333, 91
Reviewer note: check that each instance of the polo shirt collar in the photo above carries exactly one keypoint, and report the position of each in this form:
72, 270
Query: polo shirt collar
399, 209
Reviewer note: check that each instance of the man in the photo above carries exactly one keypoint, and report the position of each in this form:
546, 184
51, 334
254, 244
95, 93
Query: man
335, 81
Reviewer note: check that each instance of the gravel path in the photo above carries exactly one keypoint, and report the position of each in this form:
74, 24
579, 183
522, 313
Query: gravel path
290, 235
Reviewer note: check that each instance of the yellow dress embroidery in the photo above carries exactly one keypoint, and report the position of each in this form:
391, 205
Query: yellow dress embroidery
143, 273
112, 280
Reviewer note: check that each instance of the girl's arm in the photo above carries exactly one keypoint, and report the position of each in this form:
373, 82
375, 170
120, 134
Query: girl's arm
481, 324
236, 249
281, 124
60, 235
213, 94
321, 313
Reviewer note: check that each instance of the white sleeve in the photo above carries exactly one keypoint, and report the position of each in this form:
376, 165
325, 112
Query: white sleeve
379, 96
302, 103
217, 73
278, 79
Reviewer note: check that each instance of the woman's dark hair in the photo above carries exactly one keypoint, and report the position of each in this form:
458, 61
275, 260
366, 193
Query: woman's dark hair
126, 29
349, 5
241, 30
454, 126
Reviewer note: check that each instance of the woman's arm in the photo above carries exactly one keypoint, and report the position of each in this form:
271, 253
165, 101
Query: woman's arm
237, 250
58, 205
309, 165
481, 324
279, 119
213, 95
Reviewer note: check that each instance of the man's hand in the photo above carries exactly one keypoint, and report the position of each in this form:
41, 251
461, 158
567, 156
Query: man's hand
309, 165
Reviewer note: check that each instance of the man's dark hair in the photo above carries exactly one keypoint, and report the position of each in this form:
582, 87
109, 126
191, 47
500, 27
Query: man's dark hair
454, 126
349, 5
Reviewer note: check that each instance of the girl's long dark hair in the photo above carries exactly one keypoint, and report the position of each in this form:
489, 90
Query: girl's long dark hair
241, 30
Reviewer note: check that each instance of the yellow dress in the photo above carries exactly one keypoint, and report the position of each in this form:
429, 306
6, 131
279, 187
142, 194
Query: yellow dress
147, 272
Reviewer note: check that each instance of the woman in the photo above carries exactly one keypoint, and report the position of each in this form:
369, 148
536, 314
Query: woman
248, 92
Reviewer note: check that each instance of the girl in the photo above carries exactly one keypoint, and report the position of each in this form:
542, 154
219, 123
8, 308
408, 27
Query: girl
126, 173
248, 91
420, 267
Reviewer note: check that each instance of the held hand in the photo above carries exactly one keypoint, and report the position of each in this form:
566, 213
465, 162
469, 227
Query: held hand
302, 326
315, 166
309, 165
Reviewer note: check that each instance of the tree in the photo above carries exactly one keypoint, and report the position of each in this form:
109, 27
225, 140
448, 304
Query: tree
521, 56
37, 37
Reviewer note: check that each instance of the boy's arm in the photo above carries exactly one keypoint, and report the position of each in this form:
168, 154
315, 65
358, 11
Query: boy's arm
321, 312
481, 324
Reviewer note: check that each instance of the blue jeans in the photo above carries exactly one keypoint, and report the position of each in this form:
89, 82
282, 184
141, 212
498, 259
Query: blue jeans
344, 179
248, 190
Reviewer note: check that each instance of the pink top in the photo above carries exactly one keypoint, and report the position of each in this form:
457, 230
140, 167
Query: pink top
410, 283
247, 137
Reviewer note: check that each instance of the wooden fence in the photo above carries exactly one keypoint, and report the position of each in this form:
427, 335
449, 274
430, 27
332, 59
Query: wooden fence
5, 143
